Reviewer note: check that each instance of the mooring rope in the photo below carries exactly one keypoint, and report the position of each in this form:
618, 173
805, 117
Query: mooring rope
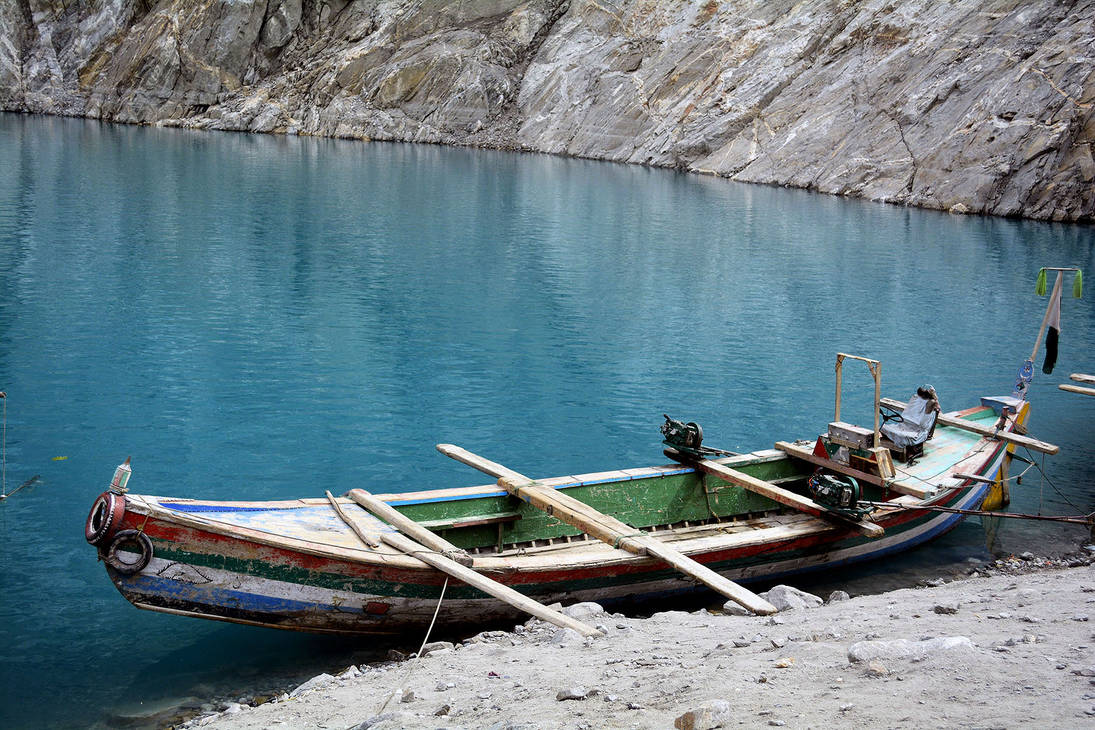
1088, 519
418, 656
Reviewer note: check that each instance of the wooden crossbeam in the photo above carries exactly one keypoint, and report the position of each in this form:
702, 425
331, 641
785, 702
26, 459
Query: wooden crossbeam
785, 496
983, 430
894, 486
606, 528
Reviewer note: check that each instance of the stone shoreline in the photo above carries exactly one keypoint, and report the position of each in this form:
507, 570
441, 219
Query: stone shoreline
1009, 646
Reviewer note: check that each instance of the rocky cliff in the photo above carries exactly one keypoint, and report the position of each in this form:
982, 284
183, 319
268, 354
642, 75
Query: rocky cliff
979, 105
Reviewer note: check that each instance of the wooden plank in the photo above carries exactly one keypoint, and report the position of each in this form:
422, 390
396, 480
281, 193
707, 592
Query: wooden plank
983, 430
862, 476
408, 526
606, 528
1076, 389
787, 497
365, 537
1082, 378
487, 585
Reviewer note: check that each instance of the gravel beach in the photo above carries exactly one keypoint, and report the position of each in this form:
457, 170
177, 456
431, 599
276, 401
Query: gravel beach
1008, 647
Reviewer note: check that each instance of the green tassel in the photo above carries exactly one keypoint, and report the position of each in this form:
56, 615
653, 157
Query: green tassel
1040, 287
1078, 284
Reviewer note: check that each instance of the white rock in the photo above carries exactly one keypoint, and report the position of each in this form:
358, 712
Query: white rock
313, 683
584, 611
786, 598
866, 651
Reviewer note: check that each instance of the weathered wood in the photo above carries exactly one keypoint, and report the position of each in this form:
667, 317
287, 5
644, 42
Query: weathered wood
787, 497
365, 537
405, 524
1076, 389
606, 528
1082, 378
983, 430
862, 476
487, 585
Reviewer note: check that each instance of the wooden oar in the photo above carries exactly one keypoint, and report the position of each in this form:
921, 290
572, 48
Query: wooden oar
606, 528
449, 566
1076, 389
983, 430
365, 537
405, 524
784, 496
1082, 378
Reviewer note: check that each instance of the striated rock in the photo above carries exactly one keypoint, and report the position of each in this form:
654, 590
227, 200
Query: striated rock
973, 107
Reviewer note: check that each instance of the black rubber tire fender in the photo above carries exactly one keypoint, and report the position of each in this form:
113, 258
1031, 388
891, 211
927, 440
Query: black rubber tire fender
129, 537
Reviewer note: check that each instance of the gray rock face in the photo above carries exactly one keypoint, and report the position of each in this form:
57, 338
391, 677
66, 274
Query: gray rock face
982, 106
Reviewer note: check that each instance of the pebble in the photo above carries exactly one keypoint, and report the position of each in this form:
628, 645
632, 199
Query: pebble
572, 693
408, 696
730, 608
838, 596
946, 608
442, 711
1080, 617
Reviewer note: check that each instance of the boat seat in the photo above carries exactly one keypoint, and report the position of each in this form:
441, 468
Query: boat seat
906, 433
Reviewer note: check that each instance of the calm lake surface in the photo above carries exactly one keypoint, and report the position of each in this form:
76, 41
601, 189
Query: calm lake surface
265, 318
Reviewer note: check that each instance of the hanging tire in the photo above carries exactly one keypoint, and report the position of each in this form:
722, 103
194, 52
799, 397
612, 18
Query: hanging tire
129, 537
105, 518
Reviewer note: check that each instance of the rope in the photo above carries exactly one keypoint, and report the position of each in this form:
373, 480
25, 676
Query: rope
616, 542
1046, 479
414, 664
1088, 519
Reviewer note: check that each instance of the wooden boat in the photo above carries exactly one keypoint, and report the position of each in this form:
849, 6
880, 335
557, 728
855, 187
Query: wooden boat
329, 565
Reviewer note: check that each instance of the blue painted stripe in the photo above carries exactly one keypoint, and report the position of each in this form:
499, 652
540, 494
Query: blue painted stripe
182, 591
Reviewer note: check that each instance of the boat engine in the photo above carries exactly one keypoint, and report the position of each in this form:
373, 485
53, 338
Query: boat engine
840, 495
684, 437
685, 441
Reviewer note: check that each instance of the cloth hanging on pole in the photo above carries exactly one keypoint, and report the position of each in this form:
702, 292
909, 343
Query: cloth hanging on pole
1054, 332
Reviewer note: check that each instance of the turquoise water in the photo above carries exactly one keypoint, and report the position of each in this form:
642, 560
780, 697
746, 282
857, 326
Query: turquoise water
262, 318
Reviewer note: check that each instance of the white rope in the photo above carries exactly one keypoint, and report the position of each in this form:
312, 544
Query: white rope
425, 640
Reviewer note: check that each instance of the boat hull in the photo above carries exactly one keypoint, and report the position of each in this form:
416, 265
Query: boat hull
244, 579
